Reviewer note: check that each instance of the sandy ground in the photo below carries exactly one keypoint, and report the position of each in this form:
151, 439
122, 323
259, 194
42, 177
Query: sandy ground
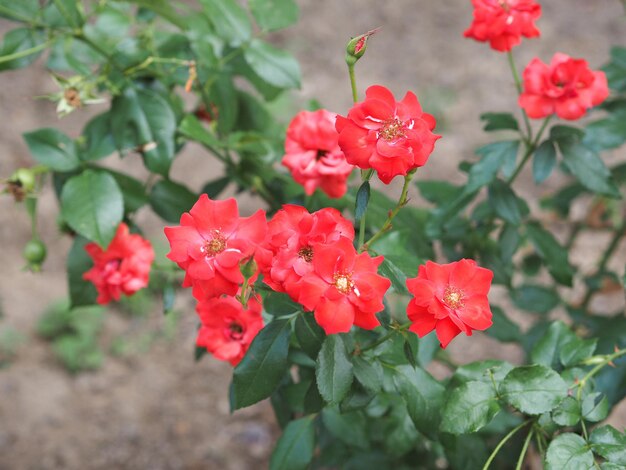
159, 410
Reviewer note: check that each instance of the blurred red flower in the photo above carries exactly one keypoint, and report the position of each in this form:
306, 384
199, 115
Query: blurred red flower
294, 237
504, 22
227, 327
344, 288
210, 243
388, 136
449, 298
313, 155
123, 268
566, 86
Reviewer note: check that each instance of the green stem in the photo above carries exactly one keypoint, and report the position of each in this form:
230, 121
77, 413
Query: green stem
609, 358
522, 454
355, 93
25, 52
385, 337
387, 225
617, 236
530, 148
518, 86
502, 442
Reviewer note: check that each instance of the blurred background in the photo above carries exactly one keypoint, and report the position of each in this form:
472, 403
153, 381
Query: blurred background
143, 402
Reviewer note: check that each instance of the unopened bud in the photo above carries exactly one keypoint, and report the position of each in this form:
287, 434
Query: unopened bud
248, 268
356, 46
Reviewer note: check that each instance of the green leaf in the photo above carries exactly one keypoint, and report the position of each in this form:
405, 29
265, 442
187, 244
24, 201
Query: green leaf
554, 255
214, 188
191, 128
499, 121
567, 413
609, 443
423, 396
564, 135
362, 199
229, 19
20, 47
52, 148
274, 14
294, 449
397, 277
482, 371
309, 334
24, 10
438, 192
169, 200
589, 169
279, 304
82, 292
608, 133
616, 69
469, 407
534, 298
577, 350
350, 428
533, 389
595, 407
544, 161
142, 119
133, 191
503, 329
93, 205
274, 66
368, 372
333, 371
569, 451
547, 349
504, 202
99, 141
164, 9
264, 365
493, 157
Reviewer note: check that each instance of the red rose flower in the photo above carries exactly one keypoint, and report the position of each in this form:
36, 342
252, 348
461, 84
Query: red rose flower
313, 155
227, 328
294, 236
123, 268
344, 288
566, 87
504, 22
449, 298
388, 136
210, 243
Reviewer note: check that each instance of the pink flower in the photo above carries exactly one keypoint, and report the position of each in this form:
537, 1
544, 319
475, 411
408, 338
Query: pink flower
567, 87
449, 298
504, 22
227, 327
313, 155
391, 137
123, 268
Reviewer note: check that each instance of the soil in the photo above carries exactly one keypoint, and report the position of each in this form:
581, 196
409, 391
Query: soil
158, 409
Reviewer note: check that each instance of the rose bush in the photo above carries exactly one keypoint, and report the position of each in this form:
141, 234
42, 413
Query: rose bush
326, 298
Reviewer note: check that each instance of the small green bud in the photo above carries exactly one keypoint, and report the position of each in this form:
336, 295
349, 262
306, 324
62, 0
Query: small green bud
356, 46
248, 268
35, 254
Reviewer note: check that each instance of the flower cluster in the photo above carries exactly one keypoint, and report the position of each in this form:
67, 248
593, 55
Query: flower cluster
123, 268
212, 244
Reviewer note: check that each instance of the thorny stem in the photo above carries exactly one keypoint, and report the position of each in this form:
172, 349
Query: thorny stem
385, 337
502, 442
617, 236
387, 225
530, 148
608, 359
